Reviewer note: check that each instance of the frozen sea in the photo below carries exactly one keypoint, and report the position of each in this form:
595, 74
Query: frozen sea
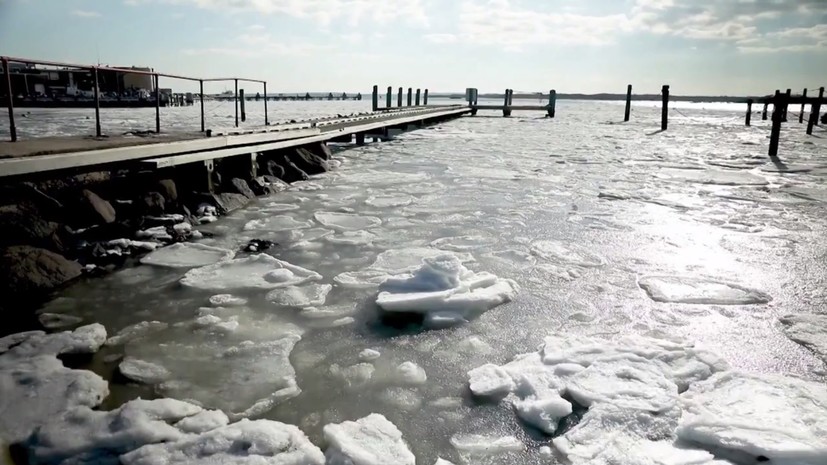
611, 234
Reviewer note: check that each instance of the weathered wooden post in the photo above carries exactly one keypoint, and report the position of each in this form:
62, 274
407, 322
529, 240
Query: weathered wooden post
815, 109
749, 112
243, 106
399, 98
375, 100
777, 119
425, 98
266, 120
418, 92
97, 104
552, 103
786, 104
7, 76
664, 114
628, 113
157, 105
801, 114
764, 112
201, 93
506, 106
236, 102
389, 97
360, 138
410, 96
510, 97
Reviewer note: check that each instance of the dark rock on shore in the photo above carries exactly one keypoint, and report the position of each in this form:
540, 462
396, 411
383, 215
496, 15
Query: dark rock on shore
153, 203
95, 210
25, 269
274, 169
22, 224
292, 172
239, 185
228, 201
309, 162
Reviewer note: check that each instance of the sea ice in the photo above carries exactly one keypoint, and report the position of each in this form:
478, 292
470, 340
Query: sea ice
481, 445
443, 285
347, 221
309, 295
254, 272
143, 372
568, 254
354, 376
809, 330
543, 413
689, 290
203, 421
227, 300
411, 373
462, 243
779, 418
624, 381
136, 331
372, 440
276, 224
58, 320
352, 238
409, 259
369, 355
187, 255
387, 201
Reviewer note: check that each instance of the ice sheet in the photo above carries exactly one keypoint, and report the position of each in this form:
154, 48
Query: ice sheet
372, 440
187, 255
254, 272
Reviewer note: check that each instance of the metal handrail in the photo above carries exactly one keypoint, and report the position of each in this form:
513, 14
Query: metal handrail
5, 60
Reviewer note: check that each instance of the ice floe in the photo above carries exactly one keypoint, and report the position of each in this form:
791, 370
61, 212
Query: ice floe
135, 331
372, 440
254, 272
809, 330
309, 295
276, 224
689, 290
347, 221
566, 254
187, 255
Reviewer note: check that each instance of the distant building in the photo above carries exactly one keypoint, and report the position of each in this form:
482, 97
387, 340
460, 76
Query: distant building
30, 82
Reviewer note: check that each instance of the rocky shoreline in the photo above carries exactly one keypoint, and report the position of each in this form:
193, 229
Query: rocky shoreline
57, 229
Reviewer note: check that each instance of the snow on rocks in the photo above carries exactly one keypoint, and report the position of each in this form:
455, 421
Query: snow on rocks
444, 289
782, 419
372, 440
687, 290
187, 255
347, 221
310, 295
808, 330
254, 272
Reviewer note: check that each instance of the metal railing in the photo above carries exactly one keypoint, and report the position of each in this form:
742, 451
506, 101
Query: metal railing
5, 60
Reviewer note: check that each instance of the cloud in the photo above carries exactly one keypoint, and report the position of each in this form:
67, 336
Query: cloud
86, 14
258, 45
256, 27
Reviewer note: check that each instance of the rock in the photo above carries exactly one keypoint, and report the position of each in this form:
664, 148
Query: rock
22, 224
154, 203
96, 209
824, 118
274, 169
308, 161
292, 173
259, 245
276, 184
25, 269
259, 186
228, 201
65, 184
168, 189
321, 150
239, 185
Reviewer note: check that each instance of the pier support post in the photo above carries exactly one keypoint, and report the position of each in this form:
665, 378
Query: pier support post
777, 119
236, 102
507, 104
209, 167
664, 114
157, 106
389, 98
399, 98
425, 98
801, 115
815, 109
7, 78
243, 105
360, 138
97, 104
786, 104
749, 113
266, 117
552, 103
418, 92
628, 112
375, 100
410, 96
764, 112
201, 93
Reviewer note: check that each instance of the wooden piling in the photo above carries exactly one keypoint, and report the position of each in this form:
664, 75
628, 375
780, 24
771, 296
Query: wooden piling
664, 114
389, 98
236, 102
360, 138
749, 113
201, 94
410, 96
241, 103
157, 106
375, 100
425, 98
266, 116
815, 109
10, 94
552, 103
510, 97
786, 104
777, 119
97, 104
801, 114
418, 92
399, 98
628, 112
507, 103
764, 113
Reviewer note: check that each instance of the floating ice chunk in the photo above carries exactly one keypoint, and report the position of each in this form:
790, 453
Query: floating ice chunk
543, 413
127, 243
372, 440
782, 419
246, 442
143, 372
84, 340
490, 380
441, 461
227, 300
402, 260
365, 279
203, 421
481, 445
254, 272
82, 435
346, 221
386, 201
688, 290
158, 233
462, 243
187, 255
276, 224
58, 320
327, 312
411, 373
354, 376
808, 330
280, 207
369, 355
7, 342
443, 284
130, 333
407, 400
304, 296
569, 254
629, 382
352, 238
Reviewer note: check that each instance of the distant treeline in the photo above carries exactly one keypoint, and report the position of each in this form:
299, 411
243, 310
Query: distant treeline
539, 96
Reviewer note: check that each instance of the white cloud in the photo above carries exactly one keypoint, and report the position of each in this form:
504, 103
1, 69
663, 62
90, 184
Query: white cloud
256, 27
258, 45
86, 14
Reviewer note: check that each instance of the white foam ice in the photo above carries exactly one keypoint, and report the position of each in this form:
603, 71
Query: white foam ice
258, 271
353, 376
408, 259
462, 243
566, 254
441, 461
347, 221
7, 342
280, 207
809, 330
372, 440
369, 355
479, 445
187, 255
142, 371
773, 417
276, 223
409, 373
243, 443
352, 238
543, 413
158, 233
690, 290
364, 279
443, 288
203, 421
135, 331
390, 200
127, 243
309, 295
227, 300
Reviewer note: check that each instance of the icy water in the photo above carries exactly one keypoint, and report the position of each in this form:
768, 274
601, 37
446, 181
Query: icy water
610, 229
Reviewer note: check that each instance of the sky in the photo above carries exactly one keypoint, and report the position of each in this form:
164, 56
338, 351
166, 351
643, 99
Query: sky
698, 47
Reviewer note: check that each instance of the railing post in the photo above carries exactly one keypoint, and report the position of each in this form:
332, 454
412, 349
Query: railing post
425, 98
777, 118
749, 112
786, 104
157, 105
410, 96
399, 99
510, 97
375, 101
236, 102
266, 117
418, 92
801, 115
552, 103
7, 76
97, 104
664, 114
628, 112
815, 109
764, 111
506, 109
389, 97
243, 105
201, 93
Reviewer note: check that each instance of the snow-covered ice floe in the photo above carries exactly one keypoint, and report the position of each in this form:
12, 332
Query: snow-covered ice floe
654, 401
372, 440
259, 271
809, 330
445, 291
187, 255
688, 290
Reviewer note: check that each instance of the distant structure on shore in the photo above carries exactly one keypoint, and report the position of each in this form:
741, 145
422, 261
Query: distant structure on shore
601, 96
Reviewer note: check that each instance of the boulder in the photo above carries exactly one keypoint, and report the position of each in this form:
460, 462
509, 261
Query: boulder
276, 184
153, 203
240, 186
308, 162
274, 169
260, 186
228, 201
64, 185
292, 173
95, 210
321, 150
824, 118
169, 190
25, 269
22, 224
